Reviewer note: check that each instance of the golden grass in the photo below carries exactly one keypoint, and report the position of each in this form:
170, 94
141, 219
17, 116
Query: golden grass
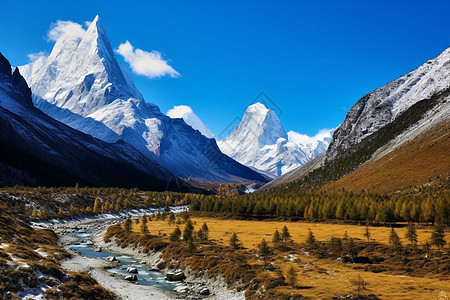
414, 163
252, 232
321, 278
328, 278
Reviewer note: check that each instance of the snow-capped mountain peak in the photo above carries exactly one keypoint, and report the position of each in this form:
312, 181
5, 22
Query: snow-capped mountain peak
81, 73
259, 127
261, 142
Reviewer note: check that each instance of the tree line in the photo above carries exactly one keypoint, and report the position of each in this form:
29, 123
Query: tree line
427, 205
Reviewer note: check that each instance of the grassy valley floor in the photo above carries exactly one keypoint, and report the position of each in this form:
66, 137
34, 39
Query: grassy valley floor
415, 273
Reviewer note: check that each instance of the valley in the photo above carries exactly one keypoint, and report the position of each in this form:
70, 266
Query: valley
105, 196
330, 266
318, 274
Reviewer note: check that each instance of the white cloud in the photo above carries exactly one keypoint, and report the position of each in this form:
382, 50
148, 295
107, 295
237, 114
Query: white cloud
304, 139
61, 28
34, 56
87, 24
187, 114
149, 64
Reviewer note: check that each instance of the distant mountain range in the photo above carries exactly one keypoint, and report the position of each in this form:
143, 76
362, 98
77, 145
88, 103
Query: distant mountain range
82, 85
261, 142
394, 137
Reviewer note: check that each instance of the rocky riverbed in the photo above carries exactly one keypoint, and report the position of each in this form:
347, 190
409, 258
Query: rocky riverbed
102, 270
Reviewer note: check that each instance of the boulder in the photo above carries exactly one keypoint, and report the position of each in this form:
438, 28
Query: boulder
131, 278
132, 270
204, 291
182, 289
175, 276
111, 258
98, 249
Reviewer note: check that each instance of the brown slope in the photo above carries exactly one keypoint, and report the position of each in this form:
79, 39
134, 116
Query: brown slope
412, 163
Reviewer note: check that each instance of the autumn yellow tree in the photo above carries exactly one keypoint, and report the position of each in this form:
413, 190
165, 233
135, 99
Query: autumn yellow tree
96, 206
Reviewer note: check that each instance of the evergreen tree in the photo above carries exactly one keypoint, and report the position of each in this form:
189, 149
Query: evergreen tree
264, 250
144, 218
280, 279
291, 276
191, 246
367, 234
200, 234
438, 236
311, 240
175, 235
411, 233
285, 235
205, 230
144, 228
336, 246
127, 225
394, 240
276, 237
235, 243
188, 229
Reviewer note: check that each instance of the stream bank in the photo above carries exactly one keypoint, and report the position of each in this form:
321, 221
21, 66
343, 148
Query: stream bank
82, 236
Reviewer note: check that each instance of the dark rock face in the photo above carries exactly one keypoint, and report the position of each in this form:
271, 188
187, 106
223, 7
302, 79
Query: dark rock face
367, 116
5, 66
20, 87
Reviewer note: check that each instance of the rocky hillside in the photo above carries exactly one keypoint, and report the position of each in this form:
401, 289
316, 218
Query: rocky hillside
391, 138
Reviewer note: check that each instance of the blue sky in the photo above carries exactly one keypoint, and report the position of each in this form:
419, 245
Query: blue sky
315, 59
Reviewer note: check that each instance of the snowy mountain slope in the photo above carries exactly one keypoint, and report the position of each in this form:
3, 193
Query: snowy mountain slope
315, 145
415, 157
392, 132
187, 114
382, 106
260, 141
82, 85
36, 149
